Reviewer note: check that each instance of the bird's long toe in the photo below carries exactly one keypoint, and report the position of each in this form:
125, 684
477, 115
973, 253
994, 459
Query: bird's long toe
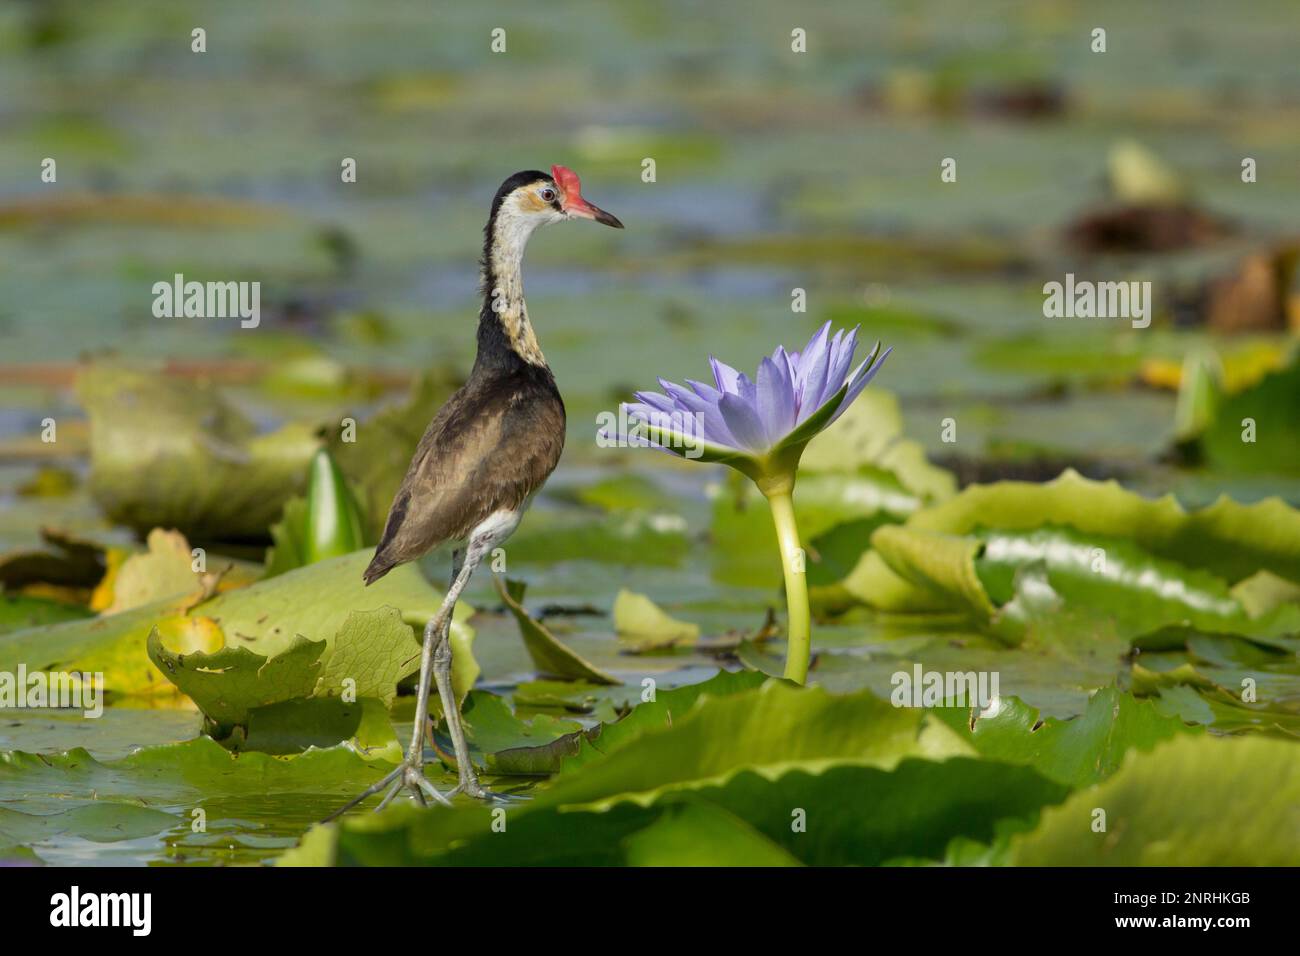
407, 776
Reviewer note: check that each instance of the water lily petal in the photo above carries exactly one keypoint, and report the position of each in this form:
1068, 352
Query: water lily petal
655, 400
634, 413
747, 390
641, 412
681, 429
675, 393
818, 339
705, 390
724, 375
841, 360
775, 401
807, 357
813, 367
743, 420
706, 420
789, 365
860, 379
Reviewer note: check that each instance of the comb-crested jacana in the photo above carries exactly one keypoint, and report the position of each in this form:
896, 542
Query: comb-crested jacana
484, 455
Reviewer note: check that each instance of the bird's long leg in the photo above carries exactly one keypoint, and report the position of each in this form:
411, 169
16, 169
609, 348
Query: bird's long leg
410, 774
444, 636
442, 659
442, 662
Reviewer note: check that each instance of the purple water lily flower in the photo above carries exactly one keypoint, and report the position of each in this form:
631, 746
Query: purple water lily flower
760, 427
793, 397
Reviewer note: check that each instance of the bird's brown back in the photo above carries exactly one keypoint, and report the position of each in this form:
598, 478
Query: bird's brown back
493, 444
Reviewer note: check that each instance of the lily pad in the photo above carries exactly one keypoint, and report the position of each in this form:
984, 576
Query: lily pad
927, 564
864, 806
371, 652
573, 696
297, 725
173, 454
493, 728
1255, 430
626, 492
1075, 752
18, 612
656, 710
769, 729
870, 434
60, 560
265, 620
623, 537
165, 570
112, 645
1195, 801
268, 659
842, 815
699, 834
100, 822
1223, 711
550, 657
172, 781
642, 625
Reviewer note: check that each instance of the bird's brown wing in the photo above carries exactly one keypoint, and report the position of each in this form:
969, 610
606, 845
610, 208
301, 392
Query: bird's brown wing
491, 446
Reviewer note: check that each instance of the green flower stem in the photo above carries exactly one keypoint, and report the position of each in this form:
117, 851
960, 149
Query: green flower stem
799, 627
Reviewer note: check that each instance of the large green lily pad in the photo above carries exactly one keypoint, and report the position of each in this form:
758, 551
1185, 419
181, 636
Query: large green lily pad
70, 798
1076, 752
1195, 801
1148, 563
172, 453
283, 642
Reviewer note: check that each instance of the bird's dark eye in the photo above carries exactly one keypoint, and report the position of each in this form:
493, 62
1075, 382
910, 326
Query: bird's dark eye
547, 194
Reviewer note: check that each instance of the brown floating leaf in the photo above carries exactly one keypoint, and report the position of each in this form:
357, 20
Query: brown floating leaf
1145, 227
1254, 298
62, 561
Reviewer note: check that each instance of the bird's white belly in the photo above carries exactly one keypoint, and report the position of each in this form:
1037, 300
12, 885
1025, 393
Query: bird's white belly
497, 526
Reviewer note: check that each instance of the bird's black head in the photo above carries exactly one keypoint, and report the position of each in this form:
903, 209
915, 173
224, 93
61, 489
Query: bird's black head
534, 178
545, 198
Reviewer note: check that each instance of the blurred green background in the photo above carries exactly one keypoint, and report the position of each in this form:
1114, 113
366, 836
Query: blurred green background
774, 170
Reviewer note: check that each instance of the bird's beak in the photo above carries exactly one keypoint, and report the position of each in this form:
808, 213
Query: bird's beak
585, 210
574, 205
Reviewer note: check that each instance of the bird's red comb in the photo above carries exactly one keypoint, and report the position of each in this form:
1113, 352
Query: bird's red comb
568, 181
574, 204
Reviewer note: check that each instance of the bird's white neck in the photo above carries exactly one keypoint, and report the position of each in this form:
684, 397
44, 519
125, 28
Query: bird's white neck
504, 280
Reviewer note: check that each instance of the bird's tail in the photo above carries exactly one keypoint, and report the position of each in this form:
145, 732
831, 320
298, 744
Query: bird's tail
379, 565
384, 561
